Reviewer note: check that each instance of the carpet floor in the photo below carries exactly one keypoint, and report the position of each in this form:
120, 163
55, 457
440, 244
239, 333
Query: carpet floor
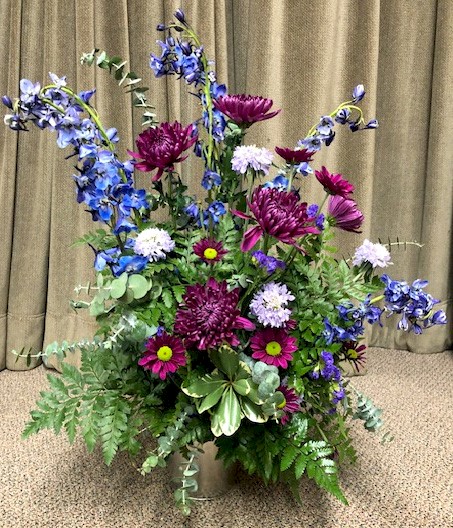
47, 483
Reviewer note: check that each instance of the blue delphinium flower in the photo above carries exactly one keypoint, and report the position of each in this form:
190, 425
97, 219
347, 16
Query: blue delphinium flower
269, 263
358, 93
210, 179
129, 264
279, 182
304, 169
215, 210
415, 305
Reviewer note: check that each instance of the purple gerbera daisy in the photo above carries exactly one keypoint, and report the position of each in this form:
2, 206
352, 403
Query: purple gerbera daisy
164, 354
344, 213
208, 316
278, 214
245, 109
273, 346
355, 354
334, 183
161, 147
209, 250
290, 405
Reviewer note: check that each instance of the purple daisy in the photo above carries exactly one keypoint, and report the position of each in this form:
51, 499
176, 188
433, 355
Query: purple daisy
161, 147
334, 183
164, 354
278, 214
355, 354
344, 213
290, 405
273, 346
294, 156
208, 316
245, 109
209, 250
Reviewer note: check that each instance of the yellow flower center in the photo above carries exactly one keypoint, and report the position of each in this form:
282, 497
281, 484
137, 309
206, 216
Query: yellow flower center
165, 353
283, 404
273, 348
351, 353
210, 253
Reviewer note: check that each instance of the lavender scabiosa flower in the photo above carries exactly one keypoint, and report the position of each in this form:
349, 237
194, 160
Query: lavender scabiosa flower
278, 214
245, 109
344, 214
269, 305
375, 254
251, 157
154, 243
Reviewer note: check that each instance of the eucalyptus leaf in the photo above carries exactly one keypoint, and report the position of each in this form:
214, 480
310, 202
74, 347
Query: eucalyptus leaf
118, 286
139, 285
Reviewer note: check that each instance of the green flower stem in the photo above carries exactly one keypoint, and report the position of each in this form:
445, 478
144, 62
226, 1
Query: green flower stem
292, 173
347, 104
321, 205
377, 299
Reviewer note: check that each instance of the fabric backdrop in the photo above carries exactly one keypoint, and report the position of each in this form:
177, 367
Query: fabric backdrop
307, 57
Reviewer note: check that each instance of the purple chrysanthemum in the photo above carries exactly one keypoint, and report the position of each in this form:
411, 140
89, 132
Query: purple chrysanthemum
290, 405
208, 316
296, 156
161, 147
164, 354
345, 214
278, 214
245, 109
251, 157
209, 250
269, 305
334, 183
273, 346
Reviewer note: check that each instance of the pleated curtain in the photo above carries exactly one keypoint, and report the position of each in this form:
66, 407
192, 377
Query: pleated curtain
307, 56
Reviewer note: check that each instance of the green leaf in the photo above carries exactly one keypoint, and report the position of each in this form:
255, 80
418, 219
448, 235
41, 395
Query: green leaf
211, 399
167, 297
288, 457
242, 386
253, 411
139, 285
300, 465
229, 412
226, 360
118, 286
203, 386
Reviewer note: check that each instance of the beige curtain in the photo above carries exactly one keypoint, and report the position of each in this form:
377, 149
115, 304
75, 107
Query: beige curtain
305, 55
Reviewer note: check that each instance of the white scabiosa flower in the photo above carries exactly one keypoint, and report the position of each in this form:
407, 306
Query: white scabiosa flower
376, 254
251, 157
154, 243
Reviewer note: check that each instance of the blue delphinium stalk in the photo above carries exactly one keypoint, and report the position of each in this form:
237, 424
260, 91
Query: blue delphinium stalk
267, 262
415, 305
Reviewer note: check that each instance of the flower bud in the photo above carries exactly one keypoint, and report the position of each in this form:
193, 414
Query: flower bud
161, 27
7, 101
179, 15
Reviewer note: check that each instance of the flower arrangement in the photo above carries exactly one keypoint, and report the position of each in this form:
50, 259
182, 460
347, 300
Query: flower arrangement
228, 322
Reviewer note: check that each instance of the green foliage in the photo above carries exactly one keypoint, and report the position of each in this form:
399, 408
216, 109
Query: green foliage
187, 481
370, 415
116, 66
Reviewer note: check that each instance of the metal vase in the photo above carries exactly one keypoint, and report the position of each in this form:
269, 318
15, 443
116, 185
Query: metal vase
213, 478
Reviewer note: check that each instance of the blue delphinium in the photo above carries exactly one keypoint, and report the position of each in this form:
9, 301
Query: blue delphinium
210, 179
269, 263
414, 305
279, 182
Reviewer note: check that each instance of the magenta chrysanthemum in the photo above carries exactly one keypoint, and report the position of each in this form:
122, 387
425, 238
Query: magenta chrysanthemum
344, 213
294, 156
164, 354
161, 147
209, 316
209, 250
278, 214
245, 109
334, 183
290, 405
273, 346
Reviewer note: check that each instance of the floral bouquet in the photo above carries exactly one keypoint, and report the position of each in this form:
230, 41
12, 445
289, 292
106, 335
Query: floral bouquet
229, 321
